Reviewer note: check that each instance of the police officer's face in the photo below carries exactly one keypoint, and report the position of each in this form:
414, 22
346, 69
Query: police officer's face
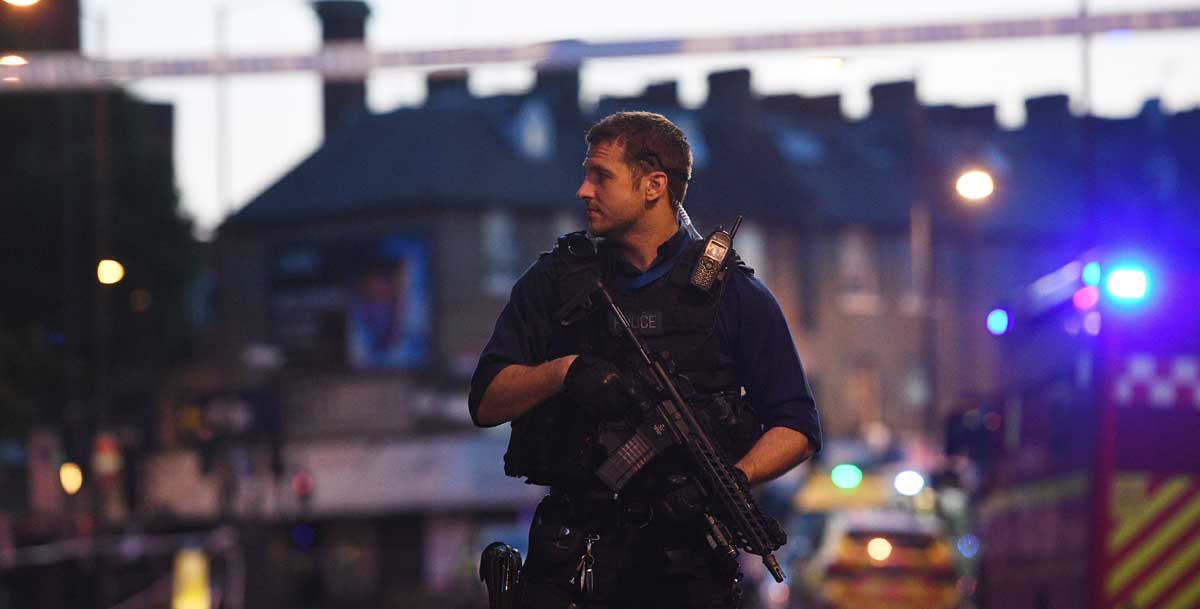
609, 191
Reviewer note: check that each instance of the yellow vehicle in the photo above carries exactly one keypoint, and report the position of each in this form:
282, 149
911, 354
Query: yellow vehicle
877, 559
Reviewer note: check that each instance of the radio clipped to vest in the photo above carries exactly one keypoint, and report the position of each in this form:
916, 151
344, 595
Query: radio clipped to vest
711, 265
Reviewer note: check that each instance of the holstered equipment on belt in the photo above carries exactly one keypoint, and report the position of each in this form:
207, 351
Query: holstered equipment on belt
499, 569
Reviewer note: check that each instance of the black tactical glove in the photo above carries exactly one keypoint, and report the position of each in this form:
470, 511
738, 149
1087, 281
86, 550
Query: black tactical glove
599, 388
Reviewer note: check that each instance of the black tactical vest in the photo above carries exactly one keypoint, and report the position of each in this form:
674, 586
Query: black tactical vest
551, 445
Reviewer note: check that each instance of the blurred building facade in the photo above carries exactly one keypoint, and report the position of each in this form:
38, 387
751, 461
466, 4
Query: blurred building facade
84, 176
352, 297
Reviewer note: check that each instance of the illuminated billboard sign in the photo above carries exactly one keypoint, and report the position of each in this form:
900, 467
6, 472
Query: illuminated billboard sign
362, 304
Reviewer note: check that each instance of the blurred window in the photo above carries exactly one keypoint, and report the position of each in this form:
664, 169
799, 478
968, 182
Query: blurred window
566, 222
499, 237
800, 146
533, 130
858, 272
864, 390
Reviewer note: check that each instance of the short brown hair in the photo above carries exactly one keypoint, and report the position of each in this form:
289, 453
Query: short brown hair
651, 142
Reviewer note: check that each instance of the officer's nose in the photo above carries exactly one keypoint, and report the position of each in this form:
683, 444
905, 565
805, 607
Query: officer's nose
585, 191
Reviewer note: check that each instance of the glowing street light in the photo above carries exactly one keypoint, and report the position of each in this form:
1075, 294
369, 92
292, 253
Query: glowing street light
110, 272
22, 2
71, 477
12, 61
975, 185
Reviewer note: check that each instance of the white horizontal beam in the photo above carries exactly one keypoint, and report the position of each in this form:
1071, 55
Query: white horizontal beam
49, 71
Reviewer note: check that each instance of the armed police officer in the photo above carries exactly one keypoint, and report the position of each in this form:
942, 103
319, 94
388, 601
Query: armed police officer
558, 367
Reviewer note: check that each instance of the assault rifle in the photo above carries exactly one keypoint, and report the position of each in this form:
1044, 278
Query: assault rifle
729, 514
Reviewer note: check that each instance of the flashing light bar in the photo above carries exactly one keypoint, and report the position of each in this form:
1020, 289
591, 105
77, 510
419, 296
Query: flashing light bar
1086, 298
1127, 284
1091, 274
353, 60
1088, 282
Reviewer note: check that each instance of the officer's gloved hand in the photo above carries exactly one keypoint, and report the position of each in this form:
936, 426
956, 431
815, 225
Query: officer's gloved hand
599, 388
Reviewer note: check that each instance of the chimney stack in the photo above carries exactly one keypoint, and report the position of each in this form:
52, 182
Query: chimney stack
1047, 112
729, 90
342, 21
560, 87
893, 100
662, 93
447, 89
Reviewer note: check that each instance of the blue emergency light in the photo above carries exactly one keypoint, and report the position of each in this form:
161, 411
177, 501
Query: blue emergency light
997, 322
1127, 284
1091, 273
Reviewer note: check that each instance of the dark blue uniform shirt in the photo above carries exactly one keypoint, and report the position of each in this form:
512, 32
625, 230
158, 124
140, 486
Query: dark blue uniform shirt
749, 323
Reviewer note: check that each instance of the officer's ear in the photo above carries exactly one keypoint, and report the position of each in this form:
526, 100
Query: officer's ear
654, 185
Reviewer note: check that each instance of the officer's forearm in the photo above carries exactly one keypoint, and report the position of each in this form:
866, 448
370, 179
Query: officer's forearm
519, 388
777, 451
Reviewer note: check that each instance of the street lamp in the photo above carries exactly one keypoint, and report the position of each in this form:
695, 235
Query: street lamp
110, 272
70, 476
22, 2
12, 61
975, 185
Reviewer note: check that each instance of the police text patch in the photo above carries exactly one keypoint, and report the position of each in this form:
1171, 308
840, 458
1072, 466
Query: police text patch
644, 323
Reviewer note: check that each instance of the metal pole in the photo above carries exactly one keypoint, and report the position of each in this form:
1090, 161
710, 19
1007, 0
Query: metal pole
922, 240
101, 225
221, 81
1085, 59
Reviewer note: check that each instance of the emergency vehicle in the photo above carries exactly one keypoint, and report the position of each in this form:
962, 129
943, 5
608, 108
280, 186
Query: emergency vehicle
1092, 494
875, 541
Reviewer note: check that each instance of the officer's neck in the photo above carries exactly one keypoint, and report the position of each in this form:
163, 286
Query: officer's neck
639, 244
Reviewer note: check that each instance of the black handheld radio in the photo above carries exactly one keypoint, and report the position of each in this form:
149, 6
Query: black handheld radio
712, 260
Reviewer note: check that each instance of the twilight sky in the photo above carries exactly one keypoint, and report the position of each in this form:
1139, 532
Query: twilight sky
274, 121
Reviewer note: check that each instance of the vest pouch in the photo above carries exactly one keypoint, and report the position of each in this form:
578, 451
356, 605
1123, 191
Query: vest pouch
550, 446
555, 537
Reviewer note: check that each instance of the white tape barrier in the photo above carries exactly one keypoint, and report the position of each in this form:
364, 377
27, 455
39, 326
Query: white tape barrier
127, 547
346, 61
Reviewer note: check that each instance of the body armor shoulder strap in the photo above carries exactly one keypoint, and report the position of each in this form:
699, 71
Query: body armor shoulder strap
576, 266
576, 245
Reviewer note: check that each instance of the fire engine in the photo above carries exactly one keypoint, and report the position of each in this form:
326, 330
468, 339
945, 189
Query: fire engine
1092, 495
